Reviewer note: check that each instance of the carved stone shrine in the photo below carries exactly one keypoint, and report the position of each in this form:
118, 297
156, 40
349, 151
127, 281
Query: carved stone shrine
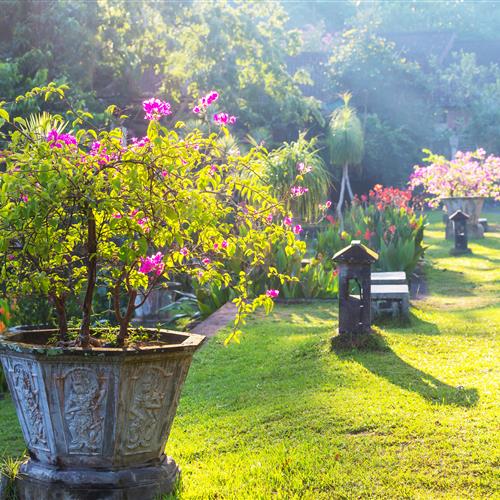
354, 272
459, 221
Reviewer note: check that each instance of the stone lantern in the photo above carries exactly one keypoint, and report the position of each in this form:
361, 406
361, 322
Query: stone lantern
354, 268
459, 220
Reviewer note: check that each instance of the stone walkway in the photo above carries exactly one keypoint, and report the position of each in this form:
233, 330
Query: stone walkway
216, 321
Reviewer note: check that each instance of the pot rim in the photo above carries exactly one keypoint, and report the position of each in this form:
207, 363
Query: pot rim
464, 197
13, 341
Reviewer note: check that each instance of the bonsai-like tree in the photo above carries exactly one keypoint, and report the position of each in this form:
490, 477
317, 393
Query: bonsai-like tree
346, 145
83, 209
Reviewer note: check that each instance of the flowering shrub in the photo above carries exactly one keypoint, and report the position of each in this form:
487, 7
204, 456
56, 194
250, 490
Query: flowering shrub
385, 221
83, 210
470, 174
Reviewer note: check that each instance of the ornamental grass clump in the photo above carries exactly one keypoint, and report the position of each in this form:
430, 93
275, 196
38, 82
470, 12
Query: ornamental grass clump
470, 174
83, 209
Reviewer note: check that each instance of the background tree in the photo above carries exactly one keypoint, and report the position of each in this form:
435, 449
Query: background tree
346, 145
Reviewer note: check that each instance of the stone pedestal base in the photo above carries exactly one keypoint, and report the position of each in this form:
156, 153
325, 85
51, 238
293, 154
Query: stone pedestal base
39, 482
455, 251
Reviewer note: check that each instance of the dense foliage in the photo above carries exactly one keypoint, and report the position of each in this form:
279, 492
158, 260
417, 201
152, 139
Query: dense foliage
282, 66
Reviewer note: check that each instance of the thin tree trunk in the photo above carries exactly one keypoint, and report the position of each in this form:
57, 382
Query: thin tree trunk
91, 278
126, 318
62, 321
348, 183
341, 198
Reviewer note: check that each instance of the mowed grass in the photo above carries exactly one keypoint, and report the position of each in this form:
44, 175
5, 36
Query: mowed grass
281, 416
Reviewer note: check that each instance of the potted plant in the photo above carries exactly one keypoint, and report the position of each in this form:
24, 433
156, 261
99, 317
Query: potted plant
460, 184
81, 210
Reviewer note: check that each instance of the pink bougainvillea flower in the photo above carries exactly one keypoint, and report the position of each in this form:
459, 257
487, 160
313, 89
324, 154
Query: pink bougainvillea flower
205, 261
24, 198
134, 212
164, 173
152, 264
196, 109
232, 120
139, 143
303, 168
224, 244
287, 221
213, 169
117, 216
272, 293
142, 221
57, 140
297, 229
184, 251
221, 118
216, 246
269, 218
298, 190
155, 109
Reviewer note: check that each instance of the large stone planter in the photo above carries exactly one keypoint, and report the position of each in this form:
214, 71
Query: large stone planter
96, 421
471, 206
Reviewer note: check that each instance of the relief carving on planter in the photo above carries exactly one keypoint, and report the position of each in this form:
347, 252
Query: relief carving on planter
147, 402
83, 410
23, 377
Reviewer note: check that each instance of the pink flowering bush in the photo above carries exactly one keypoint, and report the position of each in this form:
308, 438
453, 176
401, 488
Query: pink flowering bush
470, 174
86, 210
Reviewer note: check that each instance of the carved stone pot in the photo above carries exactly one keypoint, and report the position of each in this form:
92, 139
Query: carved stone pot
96, 421
471, 206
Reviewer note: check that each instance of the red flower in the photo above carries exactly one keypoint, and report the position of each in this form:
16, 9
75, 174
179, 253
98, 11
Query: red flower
358, 232
369, 234
392, 228
330, 219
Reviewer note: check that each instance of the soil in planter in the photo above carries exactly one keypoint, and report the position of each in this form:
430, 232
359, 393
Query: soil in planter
106, 337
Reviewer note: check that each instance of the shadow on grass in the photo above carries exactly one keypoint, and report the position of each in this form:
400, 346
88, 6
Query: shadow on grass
413, 325
449, 283
387, 364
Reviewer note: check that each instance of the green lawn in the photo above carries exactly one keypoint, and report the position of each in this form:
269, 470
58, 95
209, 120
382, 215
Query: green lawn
281, 416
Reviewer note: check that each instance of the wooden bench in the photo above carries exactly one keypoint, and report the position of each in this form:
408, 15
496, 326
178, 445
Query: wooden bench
390, 294
389, 278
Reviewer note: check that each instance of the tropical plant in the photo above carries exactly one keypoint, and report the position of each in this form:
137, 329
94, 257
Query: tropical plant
470, 174
346, 145
297, 168
386, 222
81, 211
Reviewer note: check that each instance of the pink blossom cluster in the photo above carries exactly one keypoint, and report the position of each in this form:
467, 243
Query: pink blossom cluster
303, 168
57, 140
205, 101
470, 174
298, 190
224, 118
272, 293
99, 152
139, 143
151, 264
155, 109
